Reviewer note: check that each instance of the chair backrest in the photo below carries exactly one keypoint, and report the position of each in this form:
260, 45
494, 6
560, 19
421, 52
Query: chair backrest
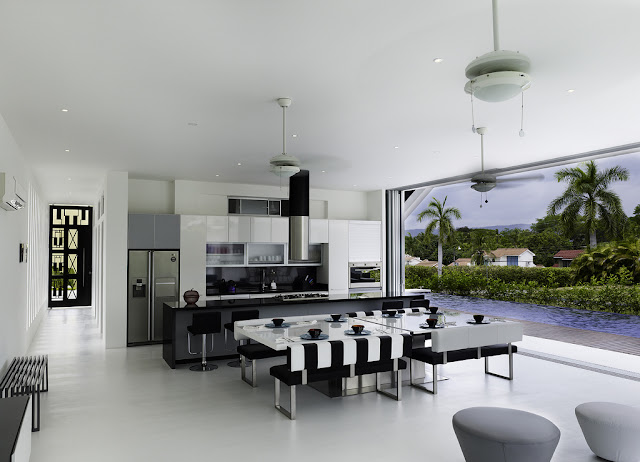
206, 323
345, 352
392, 305
361, 314
419, 302
462, 337
244, 315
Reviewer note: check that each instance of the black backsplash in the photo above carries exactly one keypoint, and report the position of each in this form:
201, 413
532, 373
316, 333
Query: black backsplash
220, 280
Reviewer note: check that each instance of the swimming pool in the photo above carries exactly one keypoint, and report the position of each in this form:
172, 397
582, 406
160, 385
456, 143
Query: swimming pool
599, 321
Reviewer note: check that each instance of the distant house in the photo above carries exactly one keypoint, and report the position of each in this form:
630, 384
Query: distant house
410, 260
461, 262
427, 263
509, 257
563, 258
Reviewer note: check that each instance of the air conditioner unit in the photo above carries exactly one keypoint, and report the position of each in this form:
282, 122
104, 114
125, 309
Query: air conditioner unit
14, 196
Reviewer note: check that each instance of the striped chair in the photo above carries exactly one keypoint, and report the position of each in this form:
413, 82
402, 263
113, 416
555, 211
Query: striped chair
340, 359
378, 313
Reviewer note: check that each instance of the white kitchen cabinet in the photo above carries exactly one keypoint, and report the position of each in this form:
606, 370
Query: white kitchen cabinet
338, 256
239, 229
318, 231
279, 229
260, 229
217, 229
193, 245
365, 241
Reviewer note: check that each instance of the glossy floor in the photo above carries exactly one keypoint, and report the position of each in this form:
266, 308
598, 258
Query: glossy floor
127, 405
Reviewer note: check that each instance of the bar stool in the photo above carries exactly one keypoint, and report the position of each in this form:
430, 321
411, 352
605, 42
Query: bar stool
203, 324
417, 302
392, 305
228, 327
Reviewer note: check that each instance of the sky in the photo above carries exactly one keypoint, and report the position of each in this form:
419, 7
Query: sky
528, 201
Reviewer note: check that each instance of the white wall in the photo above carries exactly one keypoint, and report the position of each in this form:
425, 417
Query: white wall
207, 198
151, 196
116, 192
15, 334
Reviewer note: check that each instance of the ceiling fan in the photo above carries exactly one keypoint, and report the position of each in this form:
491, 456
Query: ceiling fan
484, 182
284, 165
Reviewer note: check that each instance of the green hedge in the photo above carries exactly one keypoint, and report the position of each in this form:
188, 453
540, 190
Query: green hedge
543, 286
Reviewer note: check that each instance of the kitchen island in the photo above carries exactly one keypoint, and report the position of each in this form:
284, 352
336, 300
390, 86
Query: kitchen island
178, 315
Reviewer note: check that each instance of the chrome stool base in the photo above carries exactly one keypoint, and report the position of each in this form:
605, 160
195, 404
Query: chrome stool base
203, 368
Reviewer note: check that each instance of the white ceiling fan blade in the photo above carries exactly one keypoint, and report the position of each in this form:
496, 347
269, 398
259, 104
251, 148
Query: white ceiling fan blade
534, 177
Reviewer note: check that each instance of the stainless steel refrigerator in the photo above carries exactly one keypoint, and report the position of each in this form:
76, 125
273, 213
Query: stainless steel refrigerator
152, 281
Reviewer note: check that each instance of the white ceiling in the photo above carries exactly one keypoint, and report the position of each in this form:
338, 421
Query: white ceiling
134, 74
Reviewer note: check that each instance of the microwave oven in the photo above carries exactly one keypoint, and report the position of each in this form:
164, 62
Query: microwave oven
365, 274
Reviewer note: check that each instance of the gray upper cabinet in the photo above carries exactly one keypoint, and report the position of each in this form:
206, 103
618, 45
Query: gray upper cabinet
167, 232
154, 231
141, 231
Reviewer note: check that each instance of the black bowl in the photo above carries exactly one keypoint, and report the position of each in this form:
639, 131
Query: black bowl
277, 321
336, 317
357, 328
478, 317
433, 309
391, 313
315, 333
432, 322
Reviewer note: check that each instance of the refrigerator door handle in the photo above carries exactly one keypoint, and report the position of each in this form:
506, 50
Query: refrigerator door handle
150, 298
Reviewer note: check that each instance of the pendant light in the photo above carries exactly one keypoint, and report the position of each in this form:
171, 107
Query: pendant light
283, 164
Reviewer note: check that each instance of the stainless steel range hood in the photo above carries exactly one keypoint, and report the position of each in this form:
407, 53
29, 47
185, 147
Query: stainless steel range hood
299, 216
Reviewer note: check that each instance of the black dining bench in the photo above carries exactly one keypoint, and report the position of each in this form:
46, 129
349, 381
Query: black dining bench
341, 359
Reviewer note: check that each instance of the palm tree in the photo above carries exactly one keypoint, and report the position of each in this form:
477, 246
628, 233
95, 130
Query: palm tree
441, 219
587, 194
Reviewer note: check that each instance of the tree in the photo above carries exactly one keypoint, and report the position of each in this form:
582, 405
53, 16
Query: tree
588, 194
441, 219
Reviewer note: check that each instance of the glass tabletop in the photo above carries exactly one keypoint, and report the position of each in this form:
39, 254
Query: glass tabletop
417, 322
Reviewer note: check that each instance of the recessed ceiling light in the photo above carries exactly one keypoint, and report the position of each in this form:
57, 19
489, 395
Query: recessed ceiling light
69, 179
217, 175
438, 60
65, 110
570, 90
239, 163
436, 152
66, 150
192, 124
324, 171
294, 136
396, 147
355, 185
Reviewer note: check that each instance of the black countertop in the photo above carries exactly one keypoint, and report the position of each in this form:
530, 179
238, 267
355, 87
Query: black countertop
255, 289
249, 302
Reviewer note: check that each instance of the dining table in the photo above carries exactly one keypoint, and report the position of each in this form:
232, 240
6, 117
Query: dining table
448, 322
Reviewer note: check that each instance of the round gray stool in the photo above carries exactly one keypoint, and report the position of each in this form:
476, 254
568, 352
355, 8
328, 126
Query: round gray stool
612, 430
495, 434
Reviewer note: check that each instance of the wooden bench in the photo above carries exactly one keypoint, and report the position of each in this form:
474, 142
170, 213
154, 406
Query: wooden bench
463, 343
27, 375
340, 359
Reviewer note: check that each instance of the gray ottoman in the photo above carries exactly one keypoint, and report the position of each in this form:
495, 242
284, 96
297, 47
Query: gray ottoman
496, 434
612, 430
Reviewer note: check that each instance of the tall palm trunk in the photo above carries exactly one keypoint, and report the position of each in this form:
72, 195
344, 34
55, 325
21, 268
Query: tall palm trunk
592, 239
439, 258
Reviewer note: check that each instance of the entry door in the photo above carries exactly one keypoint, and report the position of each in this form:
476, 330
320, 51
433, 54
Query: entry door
70, 256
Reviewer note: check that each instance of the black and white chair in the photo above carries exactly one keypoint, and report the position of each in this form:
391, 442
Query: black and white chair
472, 342
335, 359
416, 302
204, 324
229, 327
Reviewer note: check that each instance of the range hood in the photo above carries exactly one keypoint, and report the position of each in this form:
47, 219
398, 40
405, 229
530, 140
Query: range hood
299, 216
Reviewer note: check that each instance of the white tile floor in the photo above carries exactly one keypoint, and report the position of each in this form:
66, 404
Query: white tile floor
127, 405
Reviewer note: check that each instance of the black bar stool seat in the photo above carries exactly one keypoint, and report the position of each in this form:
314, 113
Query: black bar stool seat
204, 324
419, 302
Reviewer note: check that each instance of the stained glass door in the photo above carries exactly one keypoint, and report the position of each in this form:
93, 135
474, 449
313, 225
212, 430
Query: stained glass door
70, 256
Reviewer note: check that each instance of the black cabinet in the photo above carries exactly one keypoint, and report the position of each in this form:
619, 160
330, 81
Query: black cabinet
154, 231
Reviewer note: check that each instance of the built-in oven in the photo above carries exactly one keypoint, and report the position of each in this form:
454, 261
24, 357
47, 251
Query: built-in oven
365, 274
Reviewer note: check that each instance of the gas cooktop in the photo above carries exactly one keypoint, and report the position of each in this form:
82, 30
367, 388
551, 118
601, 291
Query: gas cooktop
294, 297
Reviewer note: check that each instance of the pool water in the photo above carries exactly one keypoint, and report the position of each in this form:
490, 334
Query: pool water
599, 321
